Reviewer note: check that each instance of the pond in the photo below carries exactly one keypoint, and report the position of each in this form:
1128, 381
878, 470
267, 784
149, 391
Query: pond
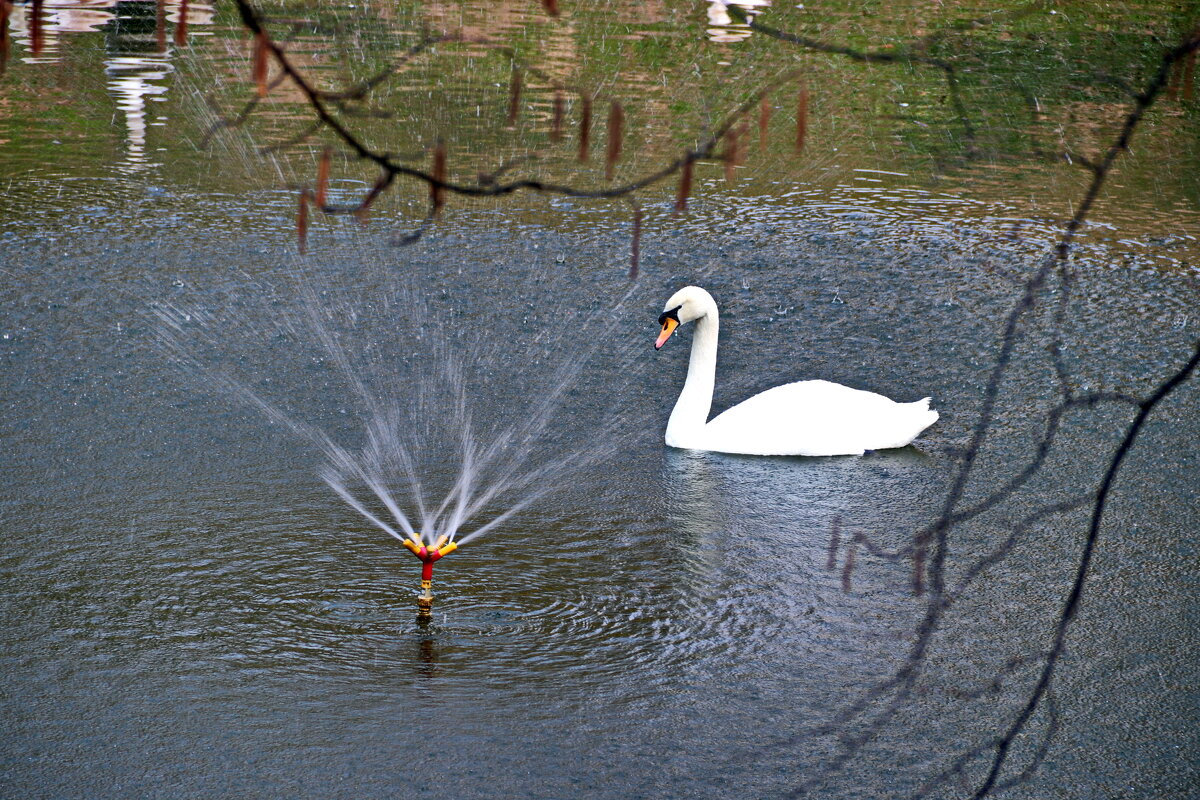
195, 381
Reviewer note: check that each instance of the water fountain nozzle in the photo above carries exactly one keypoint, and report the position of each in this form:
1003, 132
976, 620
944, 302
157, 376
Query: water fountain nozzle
428, 555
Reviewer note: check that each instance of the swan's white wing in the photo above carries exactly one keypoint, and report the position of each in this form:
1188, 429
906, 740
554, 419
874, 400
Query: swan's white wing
816, 418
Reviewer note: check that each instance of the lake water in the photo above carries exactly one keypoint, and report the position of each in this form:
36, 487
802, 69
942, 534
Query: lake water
190, 611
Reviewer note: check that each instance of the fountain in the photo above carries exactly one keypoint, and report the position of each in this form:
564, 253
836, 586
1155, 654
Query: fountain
422, 416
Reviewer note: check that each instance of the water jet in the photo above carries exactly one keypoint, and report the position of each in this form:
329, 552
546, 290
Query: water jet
401, 402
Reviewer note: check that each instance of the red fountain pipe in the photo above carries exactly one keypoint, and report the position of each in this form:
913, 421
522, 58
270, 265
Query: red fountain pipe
428, 555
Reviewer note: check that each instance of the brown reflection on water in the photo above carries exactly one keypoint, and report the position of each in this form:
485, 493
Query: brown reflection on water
136, 62
428, 655
39, 27
673, 83
5, 11
62, 17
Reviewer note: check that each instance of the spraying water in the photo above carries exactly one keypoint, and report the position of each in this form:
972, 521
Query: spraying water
414, 378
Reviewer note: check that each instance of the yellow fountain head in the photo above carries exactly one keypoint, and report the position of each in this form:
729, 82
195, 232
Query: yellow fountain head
415, 547
448, 548
441, 541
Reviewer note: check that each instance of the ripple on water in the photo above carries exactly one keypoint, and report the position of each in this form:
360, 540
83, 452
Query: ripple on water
292, 598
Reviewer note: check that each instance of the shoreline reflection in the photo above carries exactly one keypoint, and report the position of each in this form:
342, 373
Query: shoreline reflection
723, 29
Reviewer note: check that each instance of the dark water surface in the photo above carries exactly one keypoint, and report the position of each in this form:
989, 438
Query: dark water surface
189, 611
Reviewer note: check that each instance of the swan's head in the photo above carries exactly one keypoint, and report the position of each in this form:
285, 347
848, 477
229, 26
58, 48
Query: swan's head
687, 305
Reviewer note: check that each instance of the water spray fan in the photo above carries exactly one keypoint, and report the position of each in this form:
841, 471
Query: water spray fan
428, 555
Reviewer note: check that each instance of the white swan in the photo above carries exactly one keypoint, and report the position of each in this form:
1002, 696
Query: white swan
805, 418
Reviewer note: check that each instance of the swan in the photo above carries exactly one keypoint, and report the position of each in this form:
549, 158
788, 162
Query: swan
805, 418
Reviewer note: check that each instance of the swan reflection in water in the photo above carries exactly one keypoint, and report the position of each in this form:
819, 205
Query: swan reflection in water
803, 515
748, 549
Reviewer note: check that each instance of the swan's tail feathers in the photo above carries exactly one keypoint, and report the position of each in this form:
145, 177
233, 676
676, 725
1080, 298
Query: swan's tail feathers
924, 417
929, 412
916, 417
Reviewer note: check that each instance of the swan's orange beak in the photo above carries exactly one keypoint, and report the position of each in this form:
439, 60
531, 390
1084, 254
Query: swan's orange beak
668, 327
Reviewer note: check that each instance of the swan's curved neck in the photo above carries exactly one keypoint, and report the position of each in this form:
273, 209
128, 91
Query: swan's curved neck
695, 401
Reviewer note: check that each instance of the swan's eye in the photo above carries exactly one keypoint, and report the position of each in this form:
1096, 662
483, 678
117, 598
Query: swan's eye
672, 314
